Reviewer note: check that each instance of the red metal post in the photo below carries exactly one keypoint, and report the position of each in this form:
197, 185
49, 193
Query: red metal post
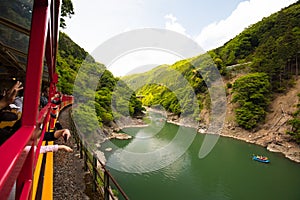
51, 45
13, 156
35, 62
34, 72
25, 175
17, 162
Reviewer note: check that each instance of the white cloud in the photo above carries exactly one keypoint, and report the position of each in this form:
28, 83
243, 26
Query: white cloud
247, 13
136, 61
173, 25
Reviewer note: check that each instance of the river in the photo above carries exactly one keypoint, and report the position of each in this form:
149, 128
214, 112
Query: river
227, 172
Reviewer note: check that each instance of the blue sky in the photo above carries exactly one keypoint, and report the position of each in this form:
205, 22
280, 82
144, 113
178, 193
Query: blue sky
210, 23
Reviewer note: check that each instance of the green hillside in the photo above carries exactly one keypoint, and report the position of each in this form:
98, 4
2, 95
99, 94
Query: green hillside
264, 54
271, 46
175, 86
96, 98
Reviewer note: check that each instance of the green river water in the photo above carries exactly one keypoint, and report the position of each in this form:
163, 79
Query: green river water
227, 172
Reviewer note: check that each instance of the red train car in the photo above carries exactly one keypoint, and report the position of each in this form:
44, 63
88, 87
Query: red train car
28, 40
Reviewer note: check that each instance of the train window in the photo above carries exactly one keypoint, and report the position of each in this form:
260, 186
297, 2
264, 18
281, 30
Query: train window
20, 60
15, 22
13, 51
11, 111
17, 11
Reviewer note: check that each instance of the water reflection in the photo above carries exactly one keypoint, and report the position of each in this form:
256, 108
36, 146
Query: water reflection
153, 147
228, 172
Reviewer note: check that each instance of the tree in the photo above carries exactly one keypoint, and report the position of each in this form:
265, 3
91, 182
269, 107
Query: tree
252, 94
271, 45
94, 86
67, 10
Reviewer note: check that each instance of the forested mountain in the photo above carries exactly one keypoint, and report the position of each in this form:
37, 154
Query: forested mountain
97, 98
265, 52
271, 46
271, 51
175, 86
69, 59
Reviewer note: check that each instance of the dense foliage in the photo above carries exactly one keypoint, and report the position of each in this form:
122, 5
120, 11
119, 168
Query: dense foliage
271, 45
160, 95
67, 10
295, 123
252, 93
179, 88
69, 59
268, 48
93, 87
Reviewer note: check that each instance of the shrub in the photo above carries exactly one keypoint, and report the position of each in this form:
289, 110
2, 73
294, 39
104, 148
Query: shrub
252, 93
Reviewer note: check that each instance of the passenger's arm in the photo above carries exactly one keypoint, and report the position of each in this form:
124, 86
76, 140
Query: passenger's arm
11, 95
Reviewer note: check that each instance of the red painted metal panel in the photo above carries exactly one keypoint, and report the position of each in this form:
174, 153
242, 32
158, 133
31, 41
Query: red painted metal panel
43, 119
13, 156
17, 162
56, 28
52, 40
49, 52
26, 191
35, 62
26, 173
34, 71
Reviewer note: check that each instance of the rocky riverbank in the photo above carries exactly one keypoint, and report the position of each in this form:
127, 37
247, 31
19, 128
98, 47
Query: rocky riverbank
271, 135
112, 131
273, 141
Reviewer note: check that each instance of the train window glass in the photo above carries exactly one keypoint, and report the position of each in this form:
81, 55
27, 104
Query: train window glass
10, 115
13, 40
17, 11
15, 23
14, 47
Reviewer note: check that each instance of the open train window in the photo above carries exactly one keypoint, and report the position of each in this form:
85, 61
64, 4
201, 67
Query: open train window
15, 23
28, 45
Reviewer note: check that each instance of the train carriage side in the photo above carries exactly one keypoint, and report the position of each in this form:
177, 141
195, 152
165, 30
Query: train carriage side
28, 40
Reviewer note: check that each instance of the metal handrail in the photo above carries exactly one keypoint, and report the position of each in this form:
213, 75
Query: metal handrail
91, 158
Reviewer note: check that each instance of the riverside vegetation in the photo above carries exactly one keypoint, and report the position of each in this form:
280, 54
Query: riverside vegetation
258, 66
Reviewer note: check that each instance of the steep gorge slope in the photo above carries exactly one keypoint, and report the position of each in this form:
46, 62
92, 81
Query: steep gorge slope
270, 47
271, 134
